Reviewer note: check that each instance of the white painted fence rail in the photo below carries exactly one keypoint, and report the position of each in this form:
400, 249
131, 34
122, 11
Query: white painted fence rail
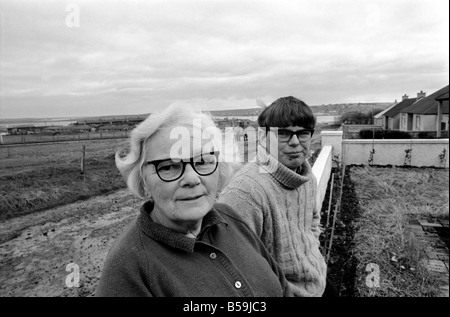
322, 171
397, 152
412, 152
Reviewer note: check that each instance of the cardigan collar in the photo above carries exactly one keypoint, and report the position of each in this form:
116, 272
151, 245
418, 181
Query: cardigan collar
280, 172
171, 237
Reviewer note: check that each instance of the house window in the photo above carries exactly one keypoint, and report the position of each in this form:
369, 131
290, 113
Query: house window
404, 121
418, 122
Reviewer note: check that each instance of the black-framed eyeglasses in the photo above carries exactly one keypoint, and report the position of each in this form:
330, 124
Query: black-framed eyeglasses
169, 170
285, 135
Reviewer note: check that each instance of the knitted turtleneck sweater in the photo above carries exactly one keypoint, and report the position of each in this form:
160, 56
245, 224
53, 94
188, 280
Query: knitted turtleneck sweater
280, 206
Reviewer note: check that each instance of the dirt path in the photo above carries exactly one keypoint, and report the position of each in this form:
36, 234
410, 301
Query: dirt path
36, 249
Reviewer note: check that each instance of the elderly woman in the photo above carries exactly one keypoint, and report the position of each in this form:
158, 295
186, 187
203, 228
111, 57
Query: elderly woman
183, 243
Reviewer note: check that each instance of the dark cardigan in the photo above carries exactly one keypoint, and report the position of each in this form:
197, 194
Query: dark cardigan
227, 259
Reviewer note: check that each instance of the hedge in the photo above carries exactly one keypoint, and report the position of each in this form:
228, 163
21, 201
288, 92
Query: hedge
383, 134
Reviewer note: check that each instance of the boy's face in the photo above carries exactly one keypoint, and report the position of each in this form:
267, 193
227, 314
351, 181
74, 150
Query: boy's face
293, 152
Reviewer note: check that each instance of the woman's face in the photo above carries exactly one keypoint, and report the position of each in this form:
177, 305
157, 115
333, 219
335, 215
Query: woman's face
189, 198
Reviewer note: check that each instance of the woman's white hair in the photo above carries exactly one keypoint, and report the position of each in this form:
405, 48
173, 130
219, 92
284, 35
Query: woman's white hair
130, 165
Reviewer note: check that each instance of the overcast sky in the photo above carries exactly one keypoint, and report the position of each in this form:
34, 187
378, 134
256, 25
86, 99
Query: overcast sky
82, 58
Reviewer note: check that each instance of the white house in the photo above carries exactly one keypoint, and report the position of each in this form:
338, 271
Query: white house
427, 113
392, 116
379, 118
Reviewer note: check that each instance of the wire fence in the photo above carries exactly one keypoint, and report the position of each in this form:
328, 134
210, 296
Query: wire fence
61, 137
369, 132
21, 157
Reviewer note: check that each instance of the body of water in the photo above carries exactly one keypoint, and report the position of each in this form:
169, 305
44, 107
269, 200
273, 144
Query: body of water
38, 123
320, 119
65, 122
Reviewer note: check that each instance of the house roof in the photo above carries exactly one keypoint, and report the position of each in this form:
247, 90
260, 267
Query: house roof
382, 113
56, 127
429, 105
399, 107
22, 126
79, 127
75, 127
444, 96
114, 127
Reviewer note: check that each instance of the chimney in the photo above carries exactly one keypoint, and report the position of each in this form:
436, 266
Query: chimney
421, 94
405, 96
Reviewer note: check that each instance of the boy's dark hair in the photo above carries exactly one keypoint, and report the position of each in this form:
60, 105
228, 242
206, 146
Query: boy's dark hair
285, 112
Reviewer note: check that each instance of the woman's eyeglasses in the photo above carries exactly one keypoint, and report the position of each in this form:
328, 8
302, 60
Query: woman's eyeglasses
169, 170
285, 135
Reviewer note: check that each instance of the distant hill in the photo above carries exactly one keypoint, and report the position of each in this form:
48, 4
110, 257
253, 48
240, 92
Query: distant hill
330, 109
341, 108
236, 112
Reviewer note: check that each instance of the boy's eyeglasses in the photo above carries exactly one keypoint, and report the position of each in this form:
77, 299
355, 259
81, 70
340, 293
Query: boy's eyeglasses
285, 135
169, 170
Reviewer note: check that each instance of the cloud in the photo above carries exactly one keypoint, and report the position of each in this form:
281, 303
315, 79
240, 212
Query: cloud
143, 55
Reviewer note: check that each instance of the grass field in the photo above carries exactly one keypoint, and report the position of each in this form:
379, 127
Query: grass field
36, 177
372, 233
388, 200
61, 137
35, 249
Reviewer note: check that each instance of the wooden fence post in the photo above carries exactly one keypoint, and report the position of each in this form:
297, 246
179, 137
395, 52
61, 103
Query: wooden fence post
329, 202
82, 159
336, 211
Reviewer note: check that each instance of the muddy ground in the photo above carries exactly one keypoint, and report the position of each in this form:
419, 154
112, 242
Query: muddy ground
36, 249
